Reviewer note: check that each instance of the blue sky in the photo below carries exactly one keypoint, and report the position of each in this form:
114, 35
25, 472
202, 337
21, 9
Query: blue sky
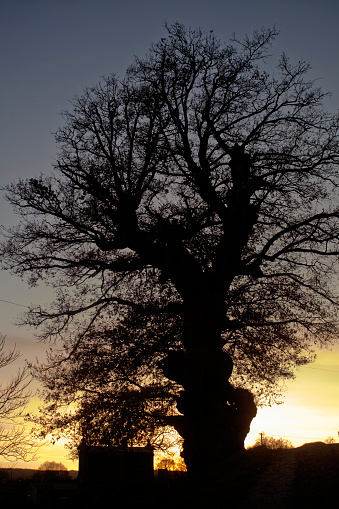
50, 50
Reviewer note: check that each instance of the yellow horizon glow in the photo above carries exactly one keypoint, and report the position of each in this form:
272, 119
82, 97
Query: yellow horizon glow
309, 413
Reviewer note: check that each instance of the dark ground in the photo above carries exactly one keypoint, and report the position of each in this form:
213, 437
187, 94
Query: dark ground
307, 476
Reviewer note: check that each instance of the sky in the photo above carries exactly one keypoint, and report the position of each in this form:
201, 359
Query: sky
50, 51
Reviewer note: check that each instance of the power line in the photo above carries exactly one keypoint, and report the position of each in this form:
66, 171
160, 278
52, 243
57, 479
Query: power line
306, 367
13, 303
15, 423
286, 436
26, 424
323, 369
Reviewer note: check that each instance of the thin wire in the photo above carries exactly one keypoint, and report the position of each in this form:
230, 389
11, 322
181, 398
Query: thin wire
323, 369
26, 424
285, 436
13, 303
15, 423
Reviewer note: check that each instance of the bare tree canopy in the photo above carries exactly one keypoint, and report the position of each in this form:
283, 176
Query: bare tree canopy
271, 442
111, 390
201, 186
15, 441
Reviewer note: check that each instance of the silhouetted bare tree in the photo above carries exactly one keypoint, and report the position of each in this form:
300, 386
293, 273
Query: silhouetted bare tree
200, 186
15, 441
270, 442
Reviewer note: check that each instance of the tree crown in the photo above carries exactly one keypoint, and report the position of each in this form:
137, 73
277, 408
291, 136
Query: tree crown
200, 185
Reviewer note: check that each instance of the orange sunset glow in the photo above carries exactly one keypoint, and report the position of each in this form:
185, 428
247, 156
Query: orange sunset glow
308, 413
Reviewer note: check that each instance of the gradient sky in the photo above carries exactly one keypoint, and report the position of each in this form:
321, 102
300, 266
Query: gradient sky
51, 50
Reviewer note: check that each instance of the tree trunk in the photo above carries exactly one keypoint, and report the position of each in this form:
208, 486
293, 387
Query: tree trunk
216, 416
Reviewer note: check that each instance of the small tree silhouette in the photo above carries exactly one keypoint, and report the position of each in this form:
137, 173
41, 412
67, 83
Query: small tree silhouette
270, 442
52, 465
15, 442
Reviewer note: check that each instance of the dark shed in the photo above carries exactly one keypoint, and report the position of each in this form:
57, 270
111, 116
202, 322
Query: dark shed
115, 464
